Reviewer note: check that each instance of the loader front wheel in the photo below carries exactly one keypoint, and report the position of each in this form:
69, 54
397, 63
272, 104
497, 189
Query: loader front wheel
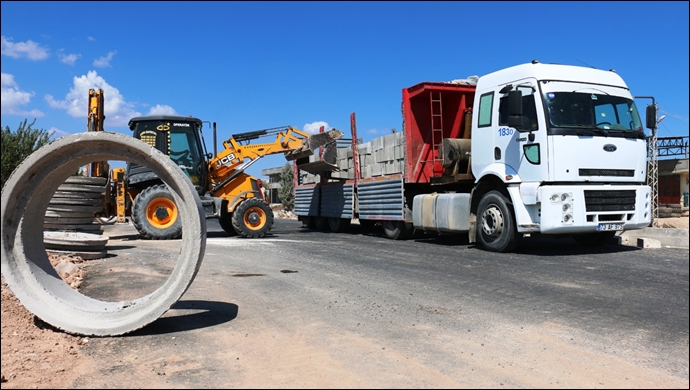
252, 218
155, 214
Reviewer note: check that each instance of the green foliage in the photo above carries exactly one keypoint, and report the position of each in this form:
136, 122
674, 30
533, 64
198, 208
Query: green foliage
17, 146
287, 188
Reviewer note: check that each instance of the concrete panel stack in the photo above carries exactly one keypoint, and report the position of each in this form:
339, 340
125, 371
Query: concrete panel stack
382, 156
345, 163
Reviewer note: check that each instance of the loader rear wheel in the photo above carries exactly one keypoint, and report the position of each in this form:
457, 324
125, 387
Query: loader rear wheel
155, 214
496, 229
253, 218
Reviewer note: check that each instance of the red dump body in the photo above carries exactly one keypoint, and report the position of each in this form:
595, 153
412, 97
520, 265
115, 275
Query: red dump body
432, 112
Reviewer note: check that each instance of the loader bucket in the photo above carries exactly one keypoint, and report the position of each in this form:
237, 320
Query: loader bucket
313, 142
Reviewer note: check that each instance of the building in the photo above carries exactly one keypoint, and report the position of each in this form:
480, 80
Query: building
673, 186
272, 184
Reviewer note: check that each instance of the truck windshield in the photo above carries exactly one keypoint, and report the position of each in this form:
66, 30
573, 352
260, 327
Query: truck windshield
586, 113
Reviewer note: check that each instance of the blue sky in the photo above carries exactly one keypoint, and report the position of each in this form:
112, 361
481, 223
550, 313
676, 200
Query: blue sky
255, 65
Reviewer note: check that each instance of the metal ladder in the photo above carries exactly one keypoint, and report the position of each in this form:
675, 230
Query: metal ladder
436, 132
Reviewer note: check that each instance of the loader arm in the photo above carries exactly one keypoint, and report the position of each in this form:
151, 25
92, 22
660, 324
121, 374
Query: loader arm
236, 156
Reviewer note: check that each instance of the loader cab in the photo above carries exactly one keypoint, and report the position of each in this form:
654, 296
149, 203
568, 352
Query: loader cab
175, 136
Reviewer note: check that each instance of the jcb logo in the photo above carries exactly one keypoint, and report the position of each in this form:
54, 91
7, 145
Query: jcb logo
227, 160
165, 127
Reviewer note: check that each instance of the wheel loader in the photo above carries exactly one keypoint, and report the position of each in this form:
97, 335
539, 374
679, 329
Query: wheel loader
227, 193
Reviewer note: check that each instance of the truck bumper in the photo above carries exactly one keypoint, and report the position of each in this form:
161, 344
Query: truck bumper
563, 209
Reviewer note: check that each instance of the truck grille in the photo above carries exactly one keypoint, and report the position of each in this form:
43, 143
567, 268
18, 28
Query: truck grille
610, 200
607, 172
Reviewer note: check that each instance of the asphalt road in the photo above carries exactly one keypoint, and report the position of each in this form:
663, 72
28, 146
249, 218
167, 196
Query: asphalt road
300, 308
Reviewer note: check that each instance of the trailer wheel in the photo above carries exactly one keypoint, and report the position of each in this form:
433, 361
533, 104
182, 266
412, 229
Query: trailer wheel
496, 224
321, 224
309, 223
252, 218
397, 230
225, 222
594, 238
155, 214
339, 225
367, 223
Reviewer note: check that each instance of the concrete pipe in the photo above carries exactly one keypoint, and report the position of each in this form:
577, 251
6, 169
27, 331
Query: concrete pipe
25, 265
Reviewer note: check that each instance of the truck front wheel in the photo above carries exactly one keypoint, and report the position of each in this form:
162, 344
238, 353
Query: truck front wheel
496, 229
252, 218
155, 214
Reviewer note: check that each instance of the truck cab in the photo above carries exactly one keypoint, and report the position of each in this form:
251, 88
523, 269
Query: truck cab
567, 144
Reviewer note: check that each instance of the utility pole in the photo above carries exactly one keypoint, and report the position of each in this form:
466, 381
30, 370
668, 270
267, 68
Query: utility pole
653, 156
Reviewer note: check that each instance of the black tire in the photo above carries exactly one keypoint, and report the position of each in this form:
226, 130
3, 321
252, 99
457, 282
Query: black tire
321, 224
252, 218
225, 222
496, 228
309, 223
155, 214
339, 225
594, 239
397, 230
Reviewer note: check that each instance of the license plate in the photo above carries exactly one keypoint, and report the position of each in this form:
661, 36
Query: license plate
609, 226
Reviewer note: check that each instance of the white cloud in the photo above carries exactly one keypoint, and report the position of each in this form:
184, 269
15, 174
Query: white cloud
162, 109
28, 49
68, 59
372, 131
313, 128
104, 62
90, 38
118, 112
57, 133
12, 98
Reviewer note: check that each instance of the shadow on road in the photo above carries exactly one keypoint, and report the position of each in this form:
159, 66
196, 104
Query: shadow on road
207, 314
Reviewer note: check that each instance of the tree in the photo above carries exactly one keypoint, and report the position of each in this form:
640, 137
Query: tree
287, 187
17, 146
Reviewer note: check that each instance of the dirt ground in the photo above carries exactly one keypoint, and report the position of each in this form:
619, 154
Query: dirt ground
35, 355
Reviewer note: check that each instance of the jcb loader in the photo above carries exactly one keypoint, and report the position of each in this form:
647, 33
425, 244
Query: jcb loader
225, 190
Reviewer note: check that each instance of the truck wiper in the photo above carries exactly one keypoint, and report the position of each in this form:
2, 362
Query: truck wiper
628, 133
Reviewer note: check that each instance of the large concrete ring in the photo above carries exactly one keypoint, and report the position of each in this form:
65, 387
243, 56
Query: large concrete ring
25, 265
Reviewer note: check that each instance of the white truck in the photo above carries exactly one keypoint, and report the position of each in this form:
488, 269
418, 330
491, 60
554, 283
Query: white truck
534, 148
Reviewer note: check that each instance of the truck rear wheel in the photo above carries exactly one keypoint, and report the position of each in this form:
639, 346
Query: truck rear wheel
594, 238
496, 229
155, 214
339, 225
397, 230
252, 218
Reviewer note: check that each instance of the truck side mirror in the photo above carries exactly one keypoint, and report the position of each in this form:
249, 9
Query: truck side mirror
650, 116
515, 118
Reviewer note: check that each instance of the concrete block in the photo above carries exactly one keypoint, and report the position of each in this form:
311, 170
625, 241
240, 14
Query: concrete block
376, 170
644, 242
